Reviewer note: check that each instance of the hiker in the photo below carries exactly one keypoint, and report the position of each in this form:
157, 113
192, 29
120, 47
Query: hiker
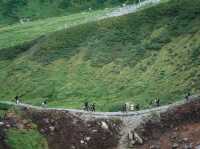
157, 102
124, 108
151, 103
93, 107
17, 99
132, 107
187, 97
44, 104
86, 106
137, 107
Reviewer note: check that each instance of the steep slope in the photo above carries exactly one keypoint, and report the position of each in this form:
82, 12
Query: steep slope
12, 11
137, 57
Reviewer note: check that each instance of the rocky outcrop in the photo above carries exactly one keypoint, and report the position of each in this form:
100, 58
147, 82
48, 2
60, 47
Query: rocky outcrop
177, 128
65, 130
165, 127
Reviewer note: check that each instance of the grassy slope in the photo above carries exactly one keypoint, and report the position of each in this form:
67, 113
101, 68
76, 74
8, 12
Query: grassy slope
25, 139
16, 34
152, 53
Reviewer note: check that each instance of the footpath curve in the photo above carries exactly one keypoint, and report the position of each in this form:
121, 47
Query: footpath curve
106, 114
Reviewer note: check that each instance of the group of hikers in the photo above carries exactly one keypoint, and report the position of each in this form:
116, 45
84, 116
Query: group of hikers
18, 101
125, 107
131, 107
156, 102
88, 107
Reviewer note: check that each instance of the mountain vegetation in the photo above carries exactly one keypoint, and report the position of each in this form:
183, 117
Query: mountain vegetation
154, 53
13, 10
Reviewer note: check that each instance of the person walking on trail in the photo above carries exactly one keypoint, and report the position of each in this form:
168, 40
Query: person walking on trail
151, 103
86, 106
137, 107
157, 102
187, 97
44, 104
132, 107
93, 107
124, 108
17, 99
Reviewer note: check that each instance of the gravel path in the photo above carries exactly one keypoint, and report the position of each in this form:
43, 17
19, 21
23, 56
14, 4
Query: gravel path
105, 114
95, 114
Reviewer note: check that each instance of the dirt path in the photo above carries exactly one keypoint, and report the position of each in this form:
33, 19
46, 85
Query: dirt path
98, 114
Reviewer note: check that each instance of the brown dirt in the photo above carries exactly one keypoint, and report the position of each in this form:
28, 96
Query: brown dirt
66, 131
178, 127
183, 135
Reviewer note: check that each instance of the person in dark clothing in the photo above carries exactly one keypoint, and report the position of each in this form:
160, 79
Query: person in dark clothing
44, 104
137, 107
86, 106
93, 107
157, 102
126, 107
151, 103
123, 108
187, 97
17, 99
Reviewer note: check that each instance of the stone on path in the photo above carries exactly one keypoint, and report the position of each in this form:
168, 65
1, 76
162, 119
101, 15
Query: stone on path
1, 123
104, 125
175, 146
197, 147
138, 138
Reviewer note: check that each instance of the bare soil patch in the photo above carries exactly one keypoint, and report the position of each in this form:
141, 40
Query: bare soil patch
67, 131
178, 128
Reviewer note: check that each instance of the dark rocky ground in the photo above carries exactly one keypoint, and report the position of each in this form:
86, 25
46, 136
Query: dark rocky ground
178, 128
67, 131
64, 130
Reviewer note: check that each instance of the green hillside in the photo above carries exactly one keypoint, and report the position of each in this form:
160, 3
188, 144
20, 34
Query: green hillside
137, 57
16, 34
14, 10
